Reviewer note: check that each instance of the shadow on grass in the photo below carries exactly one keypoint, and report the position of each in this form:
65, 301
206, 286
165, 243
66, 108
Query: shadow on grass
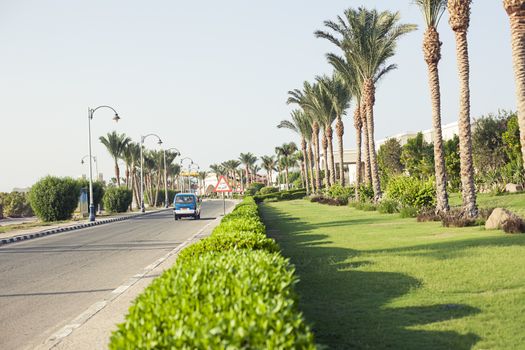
349, 309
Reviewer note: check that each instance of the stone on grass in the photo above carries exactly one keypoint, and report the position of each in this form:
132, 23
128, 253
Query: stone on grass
513, 188
504, 219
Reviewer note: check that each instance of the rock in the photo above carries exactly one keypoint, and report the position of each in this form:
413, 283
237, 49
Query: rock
513, 188
498, 218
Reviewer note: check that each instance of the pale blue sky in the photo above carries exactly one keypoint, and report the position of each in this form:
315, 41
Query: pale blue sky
210, 77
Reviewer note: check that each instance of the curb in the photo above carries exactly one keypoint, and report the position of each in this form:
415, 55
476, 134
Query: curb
44, 233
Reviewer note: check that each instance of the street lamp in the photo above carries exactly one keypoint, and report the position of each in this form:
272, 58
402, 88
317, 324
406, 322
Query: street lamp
191, 162
166, 175
94, 161
116, 118
142, 138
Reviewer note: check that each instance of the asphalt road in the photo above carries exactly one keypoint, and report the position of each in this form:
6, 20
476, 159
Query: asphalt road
46, 282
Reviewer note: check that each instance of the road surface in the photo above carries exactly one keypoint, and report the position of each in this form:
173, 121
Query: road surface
47, 282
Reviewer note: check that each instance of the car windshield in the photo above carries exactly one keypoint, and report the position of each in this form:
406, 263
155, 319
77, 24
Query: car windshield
184, 199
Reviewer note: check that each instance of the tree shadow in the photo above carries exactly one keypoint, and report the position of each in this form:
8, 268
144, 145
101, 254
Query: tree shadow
349, 308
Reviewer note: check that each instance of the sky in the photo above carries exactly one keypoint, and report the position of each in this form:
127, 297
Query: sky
209, 77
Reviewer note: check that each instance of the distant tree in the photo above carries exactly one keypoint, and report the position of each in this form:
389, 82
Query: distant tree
452, 163
488, 149
418, 157
115, 144
511, 138
389, 158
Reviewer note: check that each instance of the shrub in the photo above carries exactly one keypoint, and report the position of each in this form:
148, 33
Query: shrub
388, 206
53, 198
407, 212
232, 300
117, 199
513, 225
241, 224
410, 191
254, 188
268, 190
161, 198
456, 218
98, 190
340, 193
365, 206
16, 205
366, 193
428, 214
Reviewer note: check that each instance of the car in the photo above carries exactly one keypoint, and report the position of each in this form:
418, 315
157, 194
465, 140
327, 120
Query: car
186, 205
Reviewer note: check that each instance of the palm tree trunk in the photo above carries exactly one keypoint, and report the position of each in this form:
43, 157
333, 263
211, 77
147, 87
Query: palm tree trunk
127, 175
117, 172
303, 165
132, 189
368, 171
310, 166
465, 139
370, 99
431, 50
358, 125
286, 178
324, 143
516, 12
329, 140
315, 137
340, 130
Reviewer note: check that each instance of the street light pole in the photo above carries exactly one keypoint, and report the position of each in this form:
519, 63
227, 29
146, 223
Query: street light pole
142, 138
166, 176
191, 162
116, 118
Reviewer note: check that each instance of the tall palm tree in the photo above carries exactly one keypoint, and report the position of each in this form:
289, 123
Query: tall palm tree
304, 99
298, 158
368, 39
459, 18
248, 160
202, 177
516, 11
230, 167
432, 11
115, 144
340, 95
268, 164
285, 153
218, 169
300, 124
131, 156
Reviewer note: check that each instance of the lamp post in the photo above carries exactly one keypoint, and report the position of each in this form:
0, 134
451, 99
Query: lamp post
166, 175
191, 162
116, 118
142, 138
94, 161
198, 168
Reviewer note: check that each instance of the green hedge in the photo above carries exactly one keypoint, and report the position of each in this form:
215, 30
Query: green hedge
53, 198
117, 199
281, 196
411, 191
232, 290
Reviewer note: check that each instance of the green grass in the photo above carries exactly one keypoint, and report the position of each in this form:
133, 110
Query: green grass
376, 281
514, 202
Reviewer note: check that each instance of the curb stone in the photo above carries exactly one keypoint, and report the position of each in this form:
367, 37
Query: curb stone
24, 237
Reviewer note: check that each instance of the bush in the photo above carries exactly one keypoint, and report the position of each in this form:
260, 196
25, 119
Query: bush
16, 205
412, 192
407, 212
340, 193
281, 196
254, 188
53, 198
268, 190
232, 300
388, 206
365, 206
456, 218
513, 225
428, 214
366, 193
161, 198
117, 199
98, 190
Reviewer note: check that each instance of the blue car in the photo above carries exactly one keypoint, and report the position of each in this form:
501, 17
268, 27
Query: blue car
186, 205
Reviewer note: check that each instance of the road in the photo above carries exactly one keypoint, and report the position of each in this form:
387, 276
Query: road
47, 282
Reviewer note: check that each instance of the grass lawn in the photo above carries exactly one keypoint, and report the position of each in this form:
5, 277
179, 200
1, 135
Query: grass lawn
514, 202
376, 281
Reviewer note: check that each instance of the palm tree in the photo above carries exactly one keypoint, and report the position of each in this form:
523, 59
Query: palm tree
218, 169
202, 177
300, 124
340, 95
115, 144
285, 153
304, 99
516, 11
459, 18
230, 168
268, 163
248, 160
298, 158
432, 11
368, 39
131, 156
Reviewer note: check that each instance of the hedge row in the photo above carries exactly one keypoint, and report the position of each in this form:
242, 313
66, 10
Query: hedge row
281, 196
232, 290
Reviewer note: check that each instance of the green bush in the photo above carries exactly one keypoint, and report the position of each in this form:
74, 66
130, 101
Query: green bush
117, 199
412, 192
408, 212
254, 188
161, 198
388, 206
365, 206
16, 205
53, 198
342, 194
98, 190
268, 190
231, 300
366, 193
282, 195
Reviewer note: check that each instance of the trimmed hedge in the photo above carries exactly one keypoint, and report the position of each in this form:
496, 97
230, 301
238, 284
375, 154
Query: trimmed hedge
232, 290
117, 199
53, 198
281, 196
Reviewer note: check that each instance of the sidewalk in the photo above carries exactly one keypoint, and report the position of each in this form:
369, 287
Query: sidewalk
40, 231
92, 329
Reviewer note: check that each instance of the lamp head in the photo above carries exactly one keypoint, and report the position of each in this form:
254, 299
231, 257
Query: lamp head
116, 118
160, 142
82, 161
